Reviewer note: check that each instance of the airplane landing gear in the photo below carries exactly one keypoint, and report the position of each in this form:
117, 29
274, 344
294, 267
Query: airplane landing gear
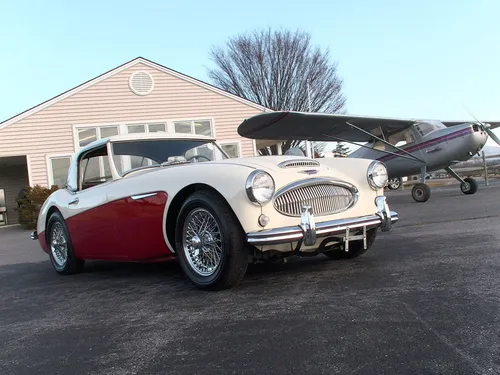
421, 192
467, 185
394, 183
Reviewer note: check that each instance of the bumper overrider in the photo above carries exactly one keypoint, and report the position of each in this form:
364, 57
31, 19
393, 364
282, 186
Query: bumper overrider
308, 230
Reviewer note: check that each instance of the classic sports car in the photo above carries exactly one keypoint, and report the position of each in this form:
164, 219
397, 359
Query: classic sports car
165, 196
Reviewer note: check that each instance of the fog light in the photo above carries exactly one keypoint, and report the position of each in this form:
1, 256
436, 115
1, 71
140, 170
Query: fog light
263, 220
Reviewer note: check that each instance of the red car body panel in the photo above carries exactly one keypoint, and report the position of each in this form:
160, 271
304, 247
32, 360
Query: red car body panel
43, 242
125, 229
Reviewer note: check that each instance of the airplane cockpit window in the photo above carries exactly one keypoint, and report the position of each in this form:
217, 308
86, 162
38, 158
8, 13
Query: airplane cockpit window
428, 127
409, 136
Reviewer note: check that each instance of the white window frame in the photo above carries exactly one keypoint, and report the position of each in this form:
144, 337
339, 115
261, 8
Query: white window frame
231, 142
48, 158
145, 124
123, 129
192, 121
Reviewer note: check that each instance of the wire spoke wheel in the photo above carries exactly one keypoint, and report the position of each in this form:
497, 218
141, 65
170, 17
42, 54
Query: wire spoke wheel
202, 242
59, 245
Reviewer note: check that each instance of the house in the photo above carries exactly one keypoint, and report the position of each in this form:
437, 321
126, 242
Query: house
138, 96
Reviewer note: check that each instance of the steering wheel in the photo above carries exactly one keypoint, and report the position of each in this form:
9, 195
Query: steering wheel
197, 157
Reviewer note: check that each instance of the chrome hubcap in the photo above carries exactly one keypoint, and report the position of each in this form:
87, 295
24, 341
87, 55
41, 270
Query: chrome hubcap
201, 242
59, 245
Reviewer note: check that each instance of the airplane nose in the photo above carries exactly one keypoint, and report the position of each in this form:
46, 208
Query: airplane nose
480, 138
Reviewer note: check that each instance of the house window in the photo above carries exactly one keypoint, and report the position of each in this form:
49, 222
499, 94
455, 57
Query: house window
59, 170
203, 127
88, 135
231, 149
146, 128
136, 129
153, 128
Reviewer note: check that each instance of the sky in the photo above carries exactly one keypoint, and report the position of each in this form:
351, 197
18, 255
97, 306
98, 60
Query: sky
419, 59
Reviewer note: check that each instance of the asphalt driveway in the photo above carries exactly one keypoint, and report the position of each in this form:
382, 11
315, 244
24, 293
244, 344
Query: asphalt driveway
424, 299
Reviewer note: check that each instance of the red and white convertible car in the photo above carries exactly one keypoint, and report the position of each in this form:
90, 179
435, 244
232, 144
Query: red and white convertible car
164, 196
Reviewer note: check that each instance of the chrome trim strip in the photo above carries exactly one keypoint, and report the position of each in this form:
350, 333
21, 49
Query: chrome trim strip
324, 229
141, 196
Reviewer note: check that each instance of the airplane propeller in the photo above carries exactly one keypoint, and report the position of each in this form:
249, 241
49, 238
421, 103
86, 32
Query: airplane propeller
492, 135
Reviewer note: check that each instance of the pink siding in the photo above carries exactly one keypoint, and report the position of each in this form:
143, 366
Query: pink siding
50, 131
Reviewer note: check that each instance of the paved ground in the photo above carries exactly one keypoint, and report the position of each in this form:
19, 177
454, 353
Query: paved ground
425, 299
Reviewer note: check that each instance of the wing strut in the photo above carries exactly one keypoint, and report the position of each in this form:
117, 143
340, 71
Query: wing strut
385, 142
338, 139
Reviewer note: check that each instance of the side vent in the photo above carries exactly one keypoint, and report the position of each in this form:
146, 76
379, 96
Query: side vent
141, 83
298, 163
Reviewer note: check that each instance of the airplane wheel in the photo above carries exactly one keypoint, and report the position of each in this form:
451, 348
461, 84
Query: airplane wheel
470, 186
421, 193
394, 184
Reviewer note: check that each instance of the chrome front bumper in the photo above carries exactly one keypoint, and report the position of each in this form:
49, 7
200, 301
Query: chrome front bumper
309, 230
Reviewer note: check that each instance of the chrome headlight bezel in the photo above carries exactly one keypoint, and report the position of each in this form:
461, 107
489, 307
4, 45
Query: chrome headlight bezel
254, 197
372, 175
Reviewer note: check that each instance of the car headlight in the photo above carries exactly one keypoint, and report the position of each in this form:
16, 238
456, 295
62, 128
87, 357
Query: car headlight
377, 175
259, 187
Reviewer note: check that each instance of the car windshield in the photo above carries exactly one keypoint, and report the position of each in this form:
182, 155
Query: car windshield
138, 154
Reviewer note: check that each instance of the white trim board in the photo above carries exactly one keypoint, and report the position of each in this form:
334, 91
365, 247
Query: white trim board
119, 69
30, 175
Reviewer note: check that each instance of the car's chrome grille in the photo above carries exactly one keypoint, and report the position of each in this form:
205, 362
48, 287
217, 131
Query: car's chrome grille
325, 197
298, 163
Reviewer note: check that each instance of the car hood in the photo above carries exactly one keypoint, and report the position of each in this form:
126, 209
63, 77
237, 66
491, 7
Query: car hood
275, 163
287, 168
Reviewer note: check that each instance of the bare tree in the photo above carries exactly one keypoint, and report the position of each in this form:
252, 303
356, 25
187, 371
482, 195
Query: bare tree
275, 69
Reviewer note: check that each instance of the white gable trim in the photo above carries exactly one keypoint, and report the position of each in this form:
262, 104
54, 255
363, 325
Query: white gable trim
119, 69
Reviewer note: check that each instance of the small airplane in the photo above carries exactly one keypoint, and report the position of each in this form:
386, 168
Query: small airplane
405, 146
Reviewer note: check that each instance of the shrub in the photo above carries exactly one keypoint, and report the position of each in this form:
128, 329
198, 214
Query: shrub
30, 205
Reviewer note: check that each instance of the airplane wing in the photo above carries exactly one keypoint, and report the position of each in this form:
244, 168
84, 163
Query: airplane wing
273, 127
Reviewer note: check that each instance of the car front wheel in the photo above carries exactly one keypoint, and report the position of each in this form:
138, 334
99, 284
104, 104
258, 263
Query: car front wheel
210, 243
61, 252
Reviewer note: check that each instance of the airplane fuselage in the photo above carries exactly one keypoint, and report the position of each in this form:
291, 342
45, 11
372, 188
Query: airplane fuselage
438, 149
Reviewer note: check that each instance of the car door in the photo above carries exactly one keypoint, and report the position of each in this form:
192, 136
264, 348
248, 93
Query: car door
139, 224
90, 214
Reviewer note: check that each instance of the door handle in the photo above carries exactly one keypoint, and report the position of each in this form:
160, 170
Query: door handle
74, 201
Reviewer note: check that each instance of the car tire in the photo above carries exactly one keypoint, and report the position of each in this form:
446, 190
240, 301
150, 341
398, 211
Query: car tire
421, 193
356, 248
61, 253
470, 187
214, 254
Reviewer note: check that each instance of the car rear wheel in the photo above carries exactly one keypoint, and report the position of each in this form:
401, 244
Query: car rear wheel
61, 252
210, 243
356, 248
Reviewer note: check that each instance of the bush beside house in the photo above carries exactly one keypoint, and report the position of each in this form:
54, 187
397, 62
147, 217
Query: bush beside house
30, 204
